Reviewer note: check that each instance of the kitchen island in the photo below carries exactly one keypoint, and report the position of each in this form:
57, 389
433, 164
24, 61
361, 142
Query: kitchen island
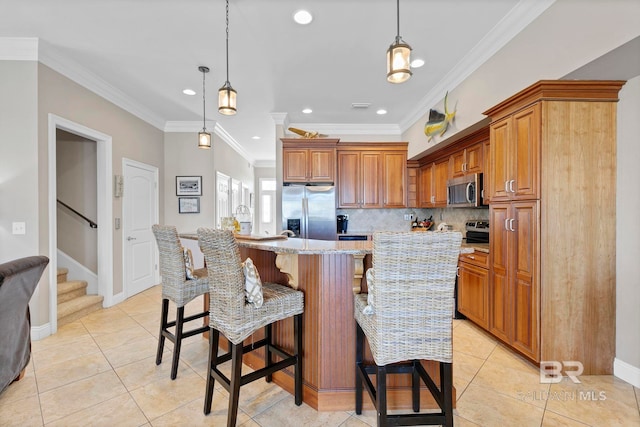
328, 272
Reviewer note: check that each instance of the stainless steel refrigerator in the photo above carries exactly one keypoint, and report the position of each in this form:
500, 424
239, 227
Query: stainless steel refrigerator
309, 211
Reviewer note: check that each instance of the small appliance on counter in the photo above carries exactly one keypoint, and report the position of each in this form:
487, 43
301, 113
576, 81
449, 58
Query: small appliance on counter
343, 222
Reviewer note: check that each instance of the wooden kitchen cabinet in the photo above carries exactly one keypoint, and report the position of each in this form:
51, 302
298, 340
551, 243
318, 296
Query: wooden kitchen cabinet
432, 184
372, 176
473, 287
467, 161
308, 165
515, 155
486, 176
513, 290
552, 168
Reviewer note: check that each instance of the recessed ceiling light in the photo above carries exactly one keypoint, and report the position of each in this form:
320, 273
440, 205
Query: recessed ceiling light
303, 17
381, 111
189, 92
307, 111
255, 137
417, 63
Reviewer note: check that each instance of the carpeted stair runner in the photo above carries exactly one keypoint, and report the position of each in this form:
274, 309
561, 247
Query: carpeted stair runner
73, 301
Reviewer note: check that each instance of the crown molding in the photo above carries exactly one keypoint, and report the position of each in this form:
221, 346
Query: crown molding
187, 126
281, 119
231, 142
350, 128
80, 75
513, 23
18, 49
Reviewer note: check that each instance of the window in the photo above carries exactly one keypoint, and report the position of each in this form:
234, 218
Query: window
267, 205
223, 207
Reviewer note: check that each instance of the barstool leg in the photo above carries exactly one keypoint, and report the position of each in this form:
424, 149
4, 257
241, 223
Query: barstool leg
359, 358
297, 336
415, 386
234, 387
178, 344
163, 327
267, 350
214, 337
446, 385
381, 395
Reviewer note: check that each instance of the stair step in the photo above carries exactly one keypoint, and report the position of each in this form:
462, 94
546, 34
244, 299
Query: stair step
62, 274
71, 289
78, 307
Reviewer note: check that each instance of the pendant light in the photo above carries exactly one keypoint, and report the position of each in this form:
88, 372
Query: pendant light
398, 57
226, 94
204, 137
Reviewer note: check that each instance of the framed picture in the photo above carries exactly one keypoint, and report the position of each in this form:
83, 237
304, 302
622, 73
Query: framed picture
188, 205
188, 186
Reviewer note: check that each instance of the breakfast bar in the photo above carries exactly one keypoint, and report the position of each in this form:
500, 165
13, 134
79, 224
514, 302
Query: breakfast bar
328, 272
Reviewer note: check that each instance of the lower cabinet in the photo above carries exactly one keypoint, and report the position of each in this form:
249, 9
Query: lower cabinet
473, 287
514, 295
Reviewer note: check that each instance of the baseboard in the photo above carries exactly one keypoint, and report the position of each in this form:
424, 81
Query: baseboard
626, 372
78, 271
40, 332
116, 299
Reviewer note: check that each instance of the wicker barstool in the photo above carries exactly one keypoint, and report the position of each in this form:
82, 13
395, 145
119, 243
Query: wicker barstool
234, 317
408, 317
177, 288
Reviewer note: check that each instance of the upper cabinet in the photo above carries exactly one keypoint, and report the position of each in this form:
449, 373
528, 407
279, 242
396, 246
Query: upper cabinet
466, 161
515, 156
309, 160
372, 175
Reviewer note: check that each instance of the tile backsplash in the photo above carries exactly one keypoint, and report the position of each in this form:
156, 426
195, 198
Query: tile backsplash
367, 221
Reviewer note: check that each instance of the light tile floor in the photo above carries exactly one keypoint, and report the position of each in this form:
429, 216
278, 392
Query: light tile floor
100, 370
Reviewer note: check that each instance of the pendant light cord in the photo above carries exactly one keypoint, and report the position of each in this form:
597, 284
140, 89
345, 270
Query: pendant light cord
398, 21
228, 42
204, 111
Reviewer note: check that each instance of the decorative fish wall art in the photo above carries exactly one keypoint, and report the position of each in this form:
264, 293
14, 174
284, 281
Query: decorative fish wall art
438, 122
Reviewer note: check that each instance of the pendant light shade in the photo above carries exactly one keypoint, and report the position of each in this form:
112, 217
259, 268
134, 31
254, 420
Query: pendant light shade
398, 56
204, 137
226, 94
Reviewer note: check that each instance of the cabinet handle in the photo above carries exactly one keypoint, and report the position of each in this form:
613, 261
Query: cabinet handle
511, 225
457, 271
511, 185
506, 224
506, 186
433, 200
471, 257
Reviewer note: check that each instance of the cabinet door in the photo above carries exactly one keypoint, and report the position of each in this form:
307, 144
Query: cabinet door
526, 153
499, 158
348, 179
486, 176
395, 180
294, 165
371, 179
457, 163
473, 159
322, 165
441, 174
473, 293
525, 250
425, 186
499, 289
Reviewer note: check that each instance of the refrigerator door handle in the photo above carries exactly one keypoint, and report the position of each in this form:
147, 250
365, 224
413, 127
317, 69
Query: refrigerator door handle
305, 218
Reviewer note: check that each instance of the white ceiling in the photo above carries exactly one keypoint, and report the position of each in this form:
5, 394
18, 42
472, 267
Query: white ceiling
147, 51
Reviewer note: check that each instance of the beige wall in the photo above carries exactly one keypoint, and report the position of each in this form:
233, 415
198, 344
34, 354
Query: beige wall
184, 158
132, 138
627, 228
76, 186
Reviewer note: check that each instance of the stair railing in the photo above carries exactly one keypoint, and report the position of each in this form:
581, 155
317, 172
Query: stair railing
92, 224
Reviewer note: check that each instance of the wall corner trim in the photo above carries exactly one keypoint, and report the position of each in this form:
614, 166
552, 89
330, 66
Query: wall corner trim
40, 332
626, 372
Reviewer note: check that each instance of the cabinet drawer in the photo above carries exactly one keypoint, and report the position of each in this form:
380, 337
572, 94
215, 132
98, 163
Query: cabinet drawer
476, 258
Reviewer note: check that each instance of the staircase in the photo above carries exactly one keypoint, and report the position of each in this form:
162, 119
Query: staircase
73, 301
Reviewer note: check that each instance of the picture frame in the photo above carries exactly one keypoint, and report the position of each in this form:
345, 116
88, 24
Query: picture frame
188, 185
188, 205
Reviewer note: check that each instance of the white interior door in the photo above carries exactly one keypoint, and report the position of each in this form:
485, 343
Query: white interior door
139, 213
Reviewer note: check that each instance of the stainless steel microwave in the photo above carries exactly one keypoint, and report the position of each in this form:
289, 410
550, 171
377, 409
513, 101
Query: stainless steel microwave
465, 191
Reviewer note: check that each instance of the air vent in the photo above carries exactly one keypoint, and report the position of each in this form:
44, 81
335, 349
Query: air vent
360, 105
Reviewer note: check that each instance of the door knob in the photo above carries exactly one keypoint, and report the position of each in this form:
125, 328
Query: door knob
130, 238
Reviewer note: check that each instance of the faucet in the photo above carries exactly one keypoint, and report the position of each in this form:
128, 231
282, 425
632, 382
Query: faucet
287, 233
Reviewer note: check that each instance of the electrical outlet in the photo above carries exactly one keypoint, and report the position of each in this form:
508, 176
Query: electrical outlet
19, 228
407, 217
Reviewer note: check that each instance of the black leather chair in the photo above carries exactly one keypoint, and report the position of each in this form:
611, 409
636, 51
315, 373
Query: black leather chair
18, 280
